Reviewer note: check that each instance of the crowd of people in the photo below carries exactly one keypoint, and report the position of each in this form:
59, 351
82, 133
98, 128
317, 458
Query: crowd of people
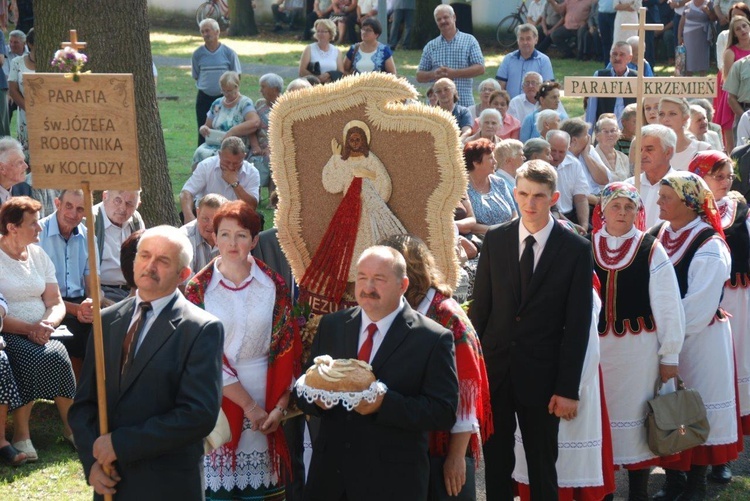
583, 292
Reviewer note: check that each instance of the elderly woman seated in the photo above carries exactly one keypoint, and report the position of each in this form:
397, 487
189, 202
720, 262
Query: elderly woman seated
699, 128
35, 308
447, 98
271, 87
508, 157
547, 120
321, 58
490, 196
548, 98
490, 122
511, 126
230, 115
537, 149
9, 399
486, 89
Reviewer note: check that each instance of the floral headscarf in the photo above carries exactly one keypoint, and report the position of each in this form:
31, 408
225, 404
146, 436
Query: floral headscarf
704, 162
615, 190
696, 195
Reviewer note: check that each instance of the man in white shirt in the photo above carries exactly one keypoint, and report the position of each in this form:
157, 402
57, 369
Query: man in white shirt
227, 174
571, 180
115, 218
656, 152
200, 232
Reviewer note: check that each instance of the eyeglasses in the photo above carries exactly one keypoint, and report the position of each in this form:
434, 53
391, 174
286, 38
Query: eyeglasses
531, 84
366, 30
721, 179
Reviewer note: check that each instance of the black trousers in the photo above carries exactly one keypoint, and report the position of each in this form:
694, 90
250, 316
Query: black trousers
539, 430
76, 345
294, 432
203, 103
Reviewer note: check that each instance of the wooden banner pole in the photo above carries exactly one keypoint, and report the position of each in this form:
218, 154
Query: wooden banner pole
639, 97
101, 380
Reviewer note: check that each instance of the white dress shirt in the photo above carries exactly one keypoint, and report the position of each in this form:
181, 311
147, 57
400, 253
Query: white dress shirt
383, 325
540, 236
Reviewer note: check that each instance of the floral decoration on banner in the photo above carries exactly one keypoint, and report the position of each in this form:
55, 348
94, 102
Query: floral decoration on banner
69, 60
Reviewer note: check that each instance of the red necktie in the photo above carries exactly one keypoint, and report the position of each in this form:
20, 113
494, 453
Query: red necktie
366, 350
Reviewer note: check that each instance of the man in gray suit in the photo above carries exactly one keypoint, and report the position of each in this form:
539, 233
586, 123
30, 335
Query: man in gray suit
163, 382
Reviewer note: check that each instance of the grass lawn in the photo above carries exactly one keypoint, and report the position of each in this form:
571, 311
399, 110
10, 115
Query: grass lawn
58, 474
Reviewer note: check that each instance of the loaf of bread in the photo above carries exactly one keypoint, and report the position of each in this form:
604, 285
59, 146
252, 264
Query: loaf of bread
343, 374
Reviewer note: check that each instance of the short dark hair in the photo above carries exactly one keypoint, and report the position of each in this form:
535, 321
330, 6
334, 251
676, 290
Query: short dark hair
242, 213
546, 88
474, 151
538, 171
12, 211
128, 251
373, 23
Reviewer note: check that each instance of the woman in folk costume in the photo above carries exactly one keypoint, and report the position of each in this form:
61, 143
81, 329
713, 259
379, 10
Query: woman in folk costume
694, 240
641, 329
585, 471
454, 454
716, 169
262, 351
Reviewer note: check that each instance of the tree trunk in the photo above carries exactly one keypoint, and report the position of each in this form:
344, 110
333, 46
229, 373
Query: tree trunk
117, 34
242, 19
425, 28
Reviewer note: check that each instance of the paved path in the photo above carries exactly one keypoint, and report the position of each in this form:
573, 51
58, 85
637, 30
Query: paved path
286, 72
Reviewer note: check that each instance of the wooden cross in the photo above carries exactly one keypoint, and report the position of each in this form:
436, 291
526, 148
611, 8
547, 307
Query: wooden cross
74, 43
641, 86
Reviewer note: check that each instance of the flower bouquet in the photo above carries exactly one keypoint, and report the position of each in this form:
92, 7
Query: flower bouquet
69, 60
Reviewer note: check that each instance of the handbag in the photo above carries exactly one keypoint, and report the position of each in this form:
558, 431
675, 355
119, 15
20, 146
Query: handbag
220, 435
314, 68
229, 423
676, 421
680, 61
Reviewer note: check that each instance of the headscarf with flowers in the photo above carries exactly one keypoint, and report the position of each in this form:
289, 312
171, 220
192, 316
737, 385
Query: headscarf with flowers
696, 195
618, 189
704, 161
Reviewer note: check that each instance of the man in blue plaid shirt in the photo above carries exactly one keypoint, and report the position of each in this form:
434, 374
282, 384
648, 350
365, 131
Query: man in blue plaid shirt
453, 55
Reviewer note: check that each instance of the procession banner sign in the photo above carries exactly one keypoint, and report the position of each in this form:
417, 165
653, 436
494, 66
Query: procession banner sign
640, 87
82, 129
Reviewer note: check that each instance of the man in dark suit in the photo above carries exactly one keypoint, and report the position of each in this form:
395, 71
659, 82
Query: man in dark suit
163, 382
532, 311
378, 451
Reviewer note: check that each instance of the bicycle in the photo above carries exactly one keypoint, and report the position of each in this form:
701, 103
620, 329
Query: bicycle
213, 9
506, 28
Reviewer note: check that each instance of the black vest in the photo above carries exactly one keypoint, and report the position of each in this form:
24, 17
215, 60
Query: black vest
738, 241
682, 266
607, 104
625, 307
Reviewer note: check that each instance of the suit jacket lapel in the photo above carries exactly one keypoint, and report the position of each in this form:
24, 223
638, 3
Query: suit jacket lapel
551, 249
351, 333
393, 338
118, 328
161, 330
514, 269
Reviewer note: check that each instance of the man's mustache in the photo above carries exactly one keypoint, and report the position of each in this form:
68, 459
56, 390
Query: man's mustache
150, 274
371, 295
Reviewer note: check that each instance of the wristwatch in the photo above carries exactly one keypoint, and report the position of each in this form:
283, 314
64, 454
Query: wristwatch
283, 412
234, 184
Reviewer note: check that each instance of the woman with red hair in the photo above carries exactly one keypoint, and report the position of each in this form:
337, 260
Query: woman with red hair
490, 196
262, 351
